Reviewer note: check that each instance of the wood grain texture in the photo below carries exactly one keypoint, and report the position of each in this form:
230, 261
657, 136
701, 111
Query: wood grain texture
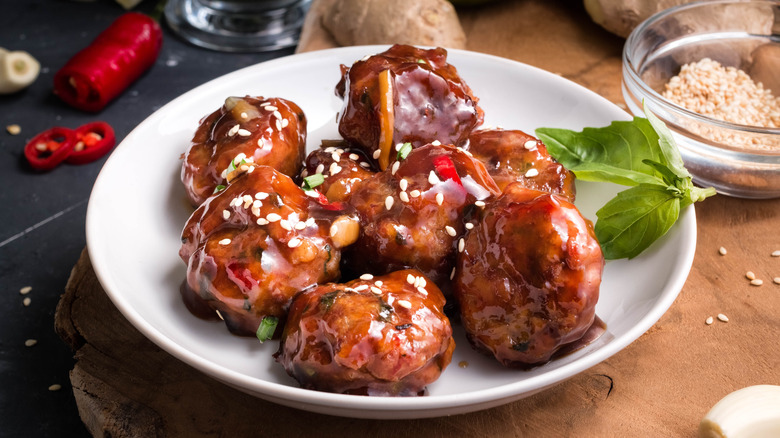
660, 385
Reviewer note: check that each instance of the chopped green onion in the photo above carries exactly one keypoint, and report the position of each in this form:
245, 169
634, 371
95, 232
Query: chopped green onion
312, 181
267, 328
219, 188
421, 61
404, 151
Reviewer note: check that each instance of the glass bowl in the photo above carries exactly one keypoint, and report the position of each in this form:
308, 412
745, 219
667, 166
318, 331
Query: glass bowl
737, 160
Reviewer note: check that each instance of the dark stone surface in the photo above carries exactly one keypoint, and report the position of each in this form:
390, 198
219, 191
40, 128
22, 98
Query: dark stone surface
43, 214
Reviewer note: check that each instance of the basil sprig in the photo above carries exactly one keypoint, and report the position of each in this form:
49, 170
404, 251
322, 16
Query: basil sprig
642, 154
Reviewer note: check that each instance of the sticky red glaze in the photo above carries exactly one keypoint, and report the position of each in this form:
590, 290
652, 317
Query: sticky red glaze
216, 142
430, 102
528, 280
507, 159
339, 186
257, 273
346, 338
413, 234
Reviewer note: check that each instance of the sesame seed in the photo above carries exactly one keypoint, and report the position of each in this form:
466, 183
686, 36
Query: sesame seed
410, 279
776, 280
261, 195
354, 157
722, 317
285, 122
452, 274
395, 167
436, 143
776, 253
403, 184
376, 154
364, 164
361, 288
461, 245
251, 169
278, 125
390, 299
225, 214
26, 301
234, 130
334, 168
244, 133
247, 200
55, 387
284, 223
414, 193
756, 282
336, 156
750, 275
294, 242
531, 173
366, 277
405, 304
432, 178
278, 115
469, 225
378, 283
417, 281
722, 251
25, 290
480, 204
224, 242
30, 342
451, 231
13, 129
262, 221
309, 221
300, 226
312, 193
389, 202
403, 196
320, 168
273, 217
41, 146
709, 320
439, 198
376, 290
270, 108
422, 291
530, 144
398, 146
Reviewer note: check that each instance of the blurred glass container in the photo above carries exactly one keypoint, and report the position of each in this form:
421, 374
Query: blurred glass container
238, 25
740, 34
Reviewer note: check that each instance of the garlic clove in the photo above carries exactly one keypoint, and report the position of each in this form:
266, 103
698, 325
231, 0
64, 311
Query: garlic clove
752, 412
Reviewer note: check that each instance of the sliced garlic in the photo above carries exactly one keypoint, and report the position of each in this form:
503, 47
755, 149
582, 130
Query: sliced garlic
749, 412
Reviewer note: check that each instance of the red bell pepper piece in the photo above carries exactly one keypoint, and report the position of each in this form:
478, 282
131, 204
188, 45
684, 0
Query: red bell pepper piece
50, 148
116, 58
445, 168
92, 141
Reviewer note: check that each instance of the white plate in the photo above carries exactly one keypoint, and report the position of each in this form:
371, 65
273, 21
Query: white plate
137, 210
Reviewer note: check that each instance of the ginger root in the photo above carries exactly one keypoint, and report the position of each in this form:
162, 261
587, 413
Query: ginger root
415, 22
622, 16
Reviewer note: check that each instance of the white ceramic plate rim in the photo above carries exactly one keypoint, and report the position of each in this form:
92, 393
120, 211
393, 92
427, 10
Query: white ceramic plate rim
379, 407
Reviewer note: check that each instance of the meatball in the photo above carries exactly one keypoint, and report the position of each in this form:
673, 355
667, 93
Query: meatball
405, 94
412, 215
372, 336
511, 156
251, 247
269, 131
528, 278
342, 169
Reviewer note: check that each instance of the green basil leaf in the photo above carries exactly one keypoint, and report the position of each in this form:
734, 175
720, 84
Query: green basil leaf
635, 218
672, 158
621, 145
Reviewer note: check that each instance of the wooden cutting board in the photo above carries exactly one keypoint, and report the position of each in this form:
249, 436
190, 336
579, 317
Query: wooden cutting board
660, 385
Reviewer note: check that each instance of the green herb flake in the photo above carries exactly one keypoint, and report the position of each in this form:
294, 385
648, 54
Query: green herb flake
329, 298
219, 188
267, 328
641, 154
312, 181
404, 151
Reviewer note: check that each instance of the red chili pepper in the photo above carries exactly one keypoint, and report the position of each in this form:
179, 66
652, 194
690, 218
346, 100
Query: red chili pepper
49, 148
92, 141
445, 168
116, 58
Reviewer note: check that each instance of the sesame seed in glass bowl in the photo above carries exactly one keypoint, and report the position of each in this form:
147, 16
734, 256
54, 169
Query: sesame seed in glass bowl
710, 70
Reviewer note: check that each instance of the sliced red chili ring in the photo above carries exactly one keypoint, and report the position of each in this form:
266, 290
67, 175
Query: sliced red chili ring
445, 168
92, 141
50, 148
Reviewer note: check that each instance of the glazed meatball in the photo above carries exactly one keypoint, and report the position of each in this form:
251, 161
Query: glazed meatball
269, 131
252, 246
412, 214
514, 156
383, 336
342, 169
405, 94
528, 279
